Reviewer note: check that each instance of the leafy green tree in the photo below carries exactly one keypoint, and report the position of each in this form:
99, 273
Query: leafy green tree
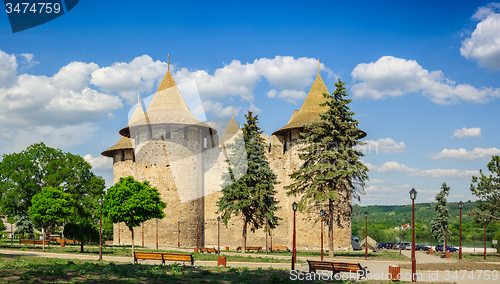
331, 165
81, 232
2, 226
50, 207
24, 174
253, 194
487, 189
439, 225
133, 203
24, 225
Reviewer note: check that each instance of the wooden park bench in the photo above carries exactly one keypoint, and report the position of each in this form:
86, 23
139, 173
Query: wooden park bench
163, 256
279, 248
250, 248
67, 241
338, 267
208, 250
33, 242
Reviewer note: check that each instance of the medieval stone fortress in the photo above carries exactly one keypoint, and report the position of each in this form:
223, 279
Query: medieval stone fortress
184, 159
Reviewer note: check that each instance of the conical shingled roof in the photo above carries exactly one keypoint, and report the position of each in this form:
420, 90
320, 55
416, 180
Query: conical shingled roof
310, 109
231, 130
122, 144
169, 107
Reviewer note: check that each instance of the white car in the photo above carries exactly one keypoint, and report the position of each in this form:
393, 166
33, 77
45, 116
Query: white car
406, 246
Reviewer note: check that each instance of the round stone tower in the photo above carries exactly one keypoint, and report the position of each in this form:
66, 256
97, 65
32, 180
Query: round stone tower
166, 145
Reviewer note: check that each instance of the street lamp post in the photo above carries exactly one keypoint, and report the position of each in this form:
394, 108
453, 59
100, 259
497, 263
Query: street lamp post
265, 231
119, 233
460, 206
294, 254
156, 234
178, 234
445, 237
424, 241
100, 229
218, 234
322, 213
484, 238
197, 236
413, 196
474, 244
11, 230
366, 235
271, 236
142, 226
400, 239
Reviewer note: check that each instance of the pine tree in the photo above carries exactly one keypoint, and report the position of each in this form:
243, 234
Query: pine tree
439, 225
487, 189
252, 194
24, 225
331, 165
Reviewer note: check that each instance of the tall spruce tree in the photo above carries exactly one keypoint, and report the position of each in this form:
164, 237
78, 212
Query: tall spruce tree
331, 165
439, 224
252, 194
487, 189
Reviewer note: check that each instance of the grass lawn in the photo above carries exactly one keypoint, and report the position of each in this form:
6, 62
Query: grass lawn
354, 255
469, 266
478, 257
27, 269
127, 252
248, 257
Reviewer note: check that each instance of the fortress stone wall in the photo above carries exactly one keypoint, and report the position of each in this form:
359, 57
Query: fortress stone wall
185, 163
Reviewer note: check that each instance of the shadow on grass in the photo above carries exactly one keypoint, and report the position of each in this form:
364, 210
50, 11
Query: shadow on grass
41, 270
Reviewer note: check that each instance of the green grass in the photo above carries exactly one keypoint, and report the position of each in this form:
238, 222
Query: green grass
355, 255
47, 270
478, 257
127, 252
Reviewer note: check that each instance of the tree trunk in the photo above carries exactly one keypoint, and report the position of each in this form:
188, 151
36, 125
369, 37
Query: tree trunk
132, 231
330, 226
244, 237
81, 247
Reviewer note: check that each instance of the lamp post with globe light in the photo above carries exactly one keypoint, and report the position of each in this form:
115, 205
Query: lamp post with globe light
460, 206
366, 235
100, 229
294, 254
322, 213
484, 238
413, 196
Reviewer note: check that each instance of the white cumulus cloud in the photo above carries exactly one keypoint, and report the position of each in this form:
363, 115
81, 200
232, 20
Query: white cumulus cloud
483, 44
63, 99
288, 74
99, 163
140, 74
464, 155
391, 77
291, 96
393, 167
467, 132
382, 145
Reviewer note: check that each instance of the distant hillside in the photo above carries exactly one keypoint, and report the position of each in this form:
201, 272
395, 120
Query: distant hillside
397, 215
383, 218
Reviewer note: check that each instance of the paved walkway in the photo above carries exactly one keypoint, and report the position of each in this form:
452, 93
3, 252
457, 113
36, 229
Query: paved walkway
378, 269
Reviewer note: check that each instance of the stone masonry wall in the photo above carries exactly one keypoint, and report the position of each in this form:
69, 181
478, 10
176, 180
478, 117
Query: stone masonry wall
208, 166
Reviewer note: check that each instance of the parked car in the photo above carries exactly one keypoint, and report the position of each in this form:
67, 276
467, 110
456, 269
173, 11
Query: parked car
381, 246
422, 247
396, 246
389, 245
406, 246
448, 248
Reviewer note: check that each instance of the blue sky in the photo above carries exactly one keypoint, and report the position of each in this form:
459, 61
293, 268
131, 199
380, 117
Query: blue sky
424, 77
